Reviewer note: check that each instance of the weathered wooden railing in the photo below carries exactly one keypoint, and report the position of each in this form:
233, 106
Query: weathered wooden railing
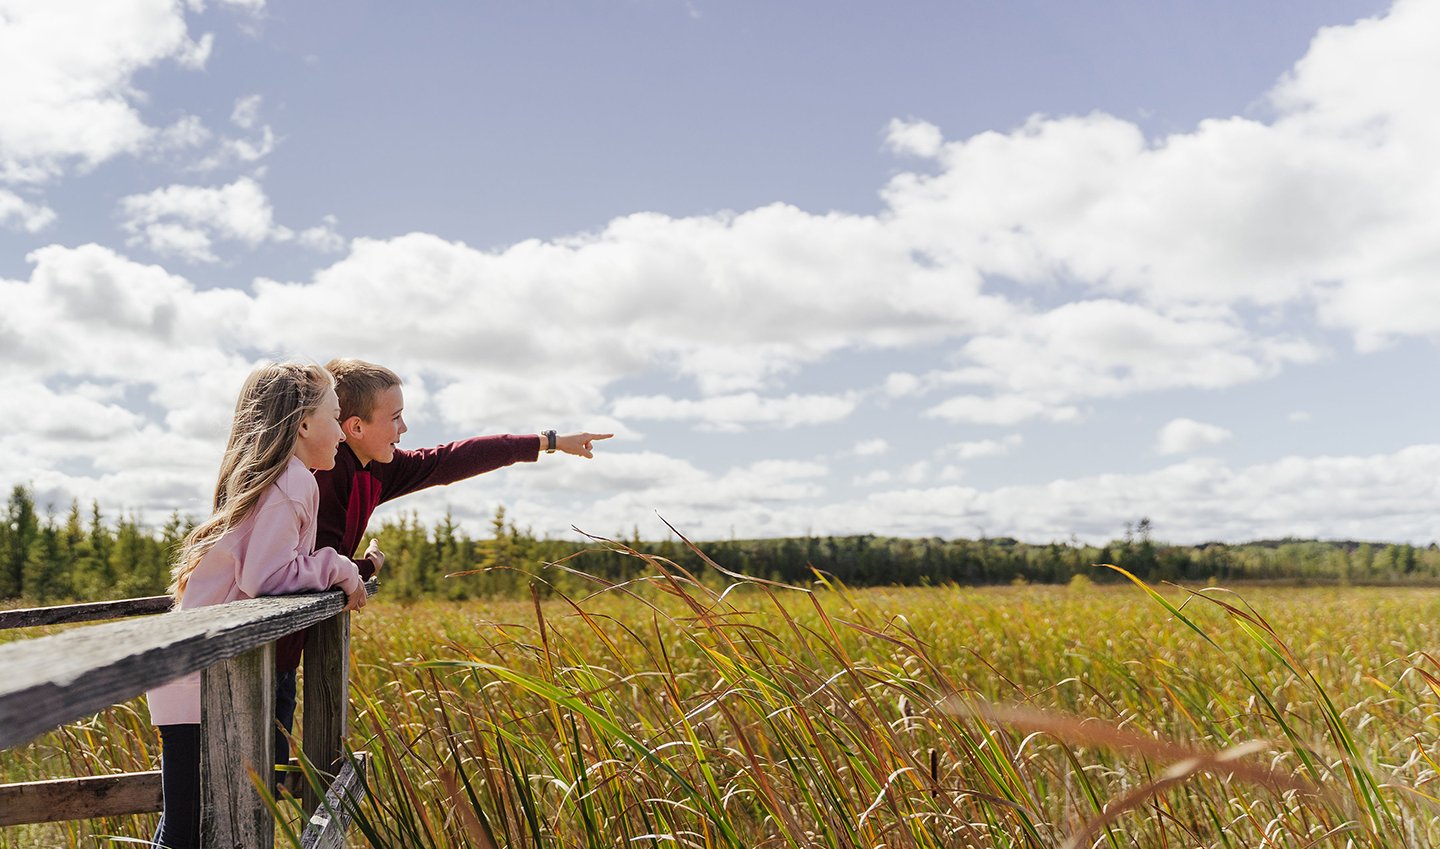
48, 681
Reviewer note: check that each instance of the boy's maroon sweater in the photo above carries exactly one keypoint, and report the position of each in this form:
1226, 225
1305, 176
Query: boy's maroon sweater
350, 492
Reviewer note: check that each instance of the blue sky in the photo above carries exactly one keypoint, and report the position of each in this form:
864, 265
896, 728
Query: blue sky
1035, 269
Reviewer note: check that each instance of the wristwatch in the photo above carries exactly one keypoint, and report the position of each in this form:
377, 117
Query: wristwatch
549, 441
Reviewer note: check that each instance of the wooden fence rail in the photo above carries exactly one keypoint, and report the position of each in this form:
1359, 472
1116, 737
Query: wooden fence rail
49, 681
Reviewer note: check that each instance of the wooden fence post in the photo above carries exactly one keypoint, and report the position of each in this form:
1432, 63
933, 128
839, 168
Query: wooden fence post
237, 721
327, 696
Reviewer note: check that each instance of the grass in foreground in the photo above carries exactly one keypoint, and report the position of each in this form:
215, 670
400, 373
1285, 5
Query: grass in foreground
665, 713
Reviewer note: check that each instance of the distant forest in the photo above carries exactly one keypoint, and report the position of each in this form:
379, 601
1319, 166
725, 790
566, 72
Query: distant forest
48, 557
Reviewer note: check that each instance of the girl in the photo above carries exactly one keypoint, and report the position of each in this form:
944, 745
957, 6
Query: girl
259, 541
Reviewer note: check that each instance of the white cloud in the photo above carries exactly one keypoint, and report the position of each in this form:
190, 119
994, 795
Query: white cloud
736, 412
999, 410
1040, 364
1330, 203
982, 447
900, 384
1182, 436
322, 237
1386, 496
647, 292
870, 448
1201, 260
185, 221
497, 400
762, 493
66, 69
874, 478
914, 138
1153, 253
230, 151
247, 111
19, 213
87, 313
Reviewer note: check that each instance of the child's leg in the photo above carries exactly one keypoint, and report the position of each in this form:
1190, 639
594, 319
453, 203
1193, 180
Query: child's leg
284, 714
180, 782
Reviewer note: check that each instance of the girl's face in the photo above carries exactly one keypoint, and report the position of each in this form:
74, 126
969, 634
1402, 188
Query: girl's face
320, 434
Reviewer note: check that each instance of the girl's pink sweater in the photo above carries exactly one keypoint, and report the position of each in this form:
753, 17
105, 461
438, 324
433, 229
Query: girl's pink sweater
269, 553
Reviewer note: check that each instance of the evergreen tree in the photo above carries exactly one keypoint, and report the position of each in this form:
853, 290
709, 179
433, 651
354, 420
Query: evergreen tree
46, 570
22, 532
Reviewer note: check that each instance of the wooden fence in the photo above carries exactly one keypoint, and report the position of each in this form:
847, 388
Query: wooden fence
46, 682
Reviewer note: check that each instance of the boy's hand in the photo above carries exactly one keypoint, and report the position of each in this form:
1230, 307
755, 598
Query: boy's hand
375, 555
579, 444
356, 600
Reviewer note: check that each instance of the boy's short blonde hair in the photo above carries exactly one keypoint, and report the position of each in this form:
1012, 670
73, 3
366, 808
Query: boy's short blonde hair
358, 385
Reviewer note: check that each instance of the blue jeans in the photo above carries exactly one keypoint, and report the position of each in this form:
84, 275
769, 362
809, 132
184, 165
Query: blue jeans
284, 714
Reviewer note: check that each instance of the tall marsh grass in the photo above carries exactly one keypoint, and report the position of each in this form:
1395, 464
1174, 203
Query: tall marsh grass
668, 712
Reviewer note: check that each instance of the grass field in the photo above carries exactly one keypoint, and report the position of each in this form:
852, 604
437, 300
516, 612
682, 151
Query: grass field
669, 714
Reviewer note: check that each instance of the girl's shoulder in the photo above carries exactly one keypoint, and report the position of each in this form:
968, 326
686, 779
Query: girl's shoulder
295, 484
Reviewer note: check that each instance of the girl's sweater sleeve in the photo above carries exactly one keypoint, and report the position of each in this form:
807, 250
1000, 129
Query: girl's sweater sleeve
274, 562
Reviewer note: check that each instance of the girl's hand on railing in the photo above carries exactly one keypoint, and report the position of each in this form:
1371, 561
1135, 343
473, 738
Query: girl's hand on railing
356, 600
375, 555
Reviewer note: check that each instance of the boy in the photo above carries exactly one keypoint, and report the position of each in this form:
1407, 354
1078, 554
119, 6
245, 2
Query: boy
370, 469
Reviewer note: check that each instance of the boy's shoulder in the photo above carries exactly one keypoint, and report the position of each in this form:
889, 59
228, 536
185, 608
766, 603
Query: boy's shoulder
347, 465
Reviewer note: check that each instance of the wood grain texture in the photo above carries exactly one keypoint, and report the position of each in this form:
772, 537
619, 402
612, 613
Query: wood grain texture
237, 745
27, 617
331, 820
80, 798
49, 681
327, 698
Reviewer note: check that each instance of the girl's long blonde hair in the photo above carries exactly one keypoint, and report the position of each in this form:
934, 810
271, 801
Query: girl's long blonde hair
276, 398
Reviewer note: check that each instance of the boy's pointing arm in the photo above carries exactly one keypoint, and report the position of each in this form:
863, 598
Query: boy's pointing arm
455, 461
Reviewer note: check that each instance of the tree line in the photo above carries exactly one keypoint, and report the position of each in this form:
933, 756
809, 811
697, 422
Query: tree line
47, 557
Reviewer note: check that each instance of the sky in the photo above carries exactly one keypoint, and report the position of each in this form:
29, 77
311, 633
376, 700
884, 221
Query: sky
955, 269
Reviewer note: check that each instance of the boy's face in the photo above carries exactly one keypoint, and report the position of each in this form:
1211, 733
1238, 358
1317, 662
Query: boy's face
374, 440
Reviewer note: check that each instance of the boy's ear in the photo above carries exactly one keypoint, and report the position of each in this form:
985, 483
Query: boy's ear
353, 427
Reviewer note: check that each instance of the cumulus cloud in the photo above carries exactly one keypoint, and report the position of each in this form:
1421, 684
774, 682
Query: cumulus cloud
323, 236
247, 111
914, 138
185, 221
999, 410
1327, 204
982, 447
1182, 436
1156, 254
66, 66
18, 213
1042, 271
736, 412
1385, 496
647, 292
1039, 365
126, 375
870, 448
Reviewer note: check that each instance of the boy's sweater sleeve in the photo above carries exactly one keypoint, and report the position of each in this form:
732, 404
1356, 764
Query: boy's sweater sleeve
274, 564
455, 461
